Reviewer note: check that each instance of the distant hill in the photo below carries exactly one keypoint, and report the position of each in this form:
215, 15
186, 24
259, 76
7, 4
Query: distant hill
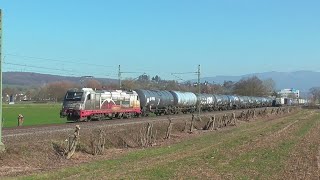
37, 79
302, 80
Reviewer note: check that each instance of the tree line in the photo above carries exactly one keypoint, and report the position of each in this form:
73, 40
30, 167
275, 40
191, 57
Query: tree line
55, 91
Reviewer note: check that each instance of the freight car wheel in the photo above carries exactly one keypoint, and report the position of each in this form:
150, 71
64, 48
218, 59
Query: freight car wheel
88, 119
100, 117
137, 115
127, 116
120, 116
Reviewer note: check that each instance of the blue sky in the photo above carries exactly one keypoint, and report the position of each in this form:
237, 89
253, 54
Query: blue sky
226, 37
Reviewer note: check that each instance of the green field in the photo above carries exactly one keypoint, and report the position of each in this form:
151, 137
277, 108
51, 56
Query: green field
34, 114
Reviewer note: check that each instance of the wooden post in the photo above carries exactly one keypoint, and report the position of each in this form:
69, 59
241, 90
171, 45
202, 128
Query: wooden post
98, 142
73, 142
142, 138
213, 122
191, 125
185, 126
169, 129
234, 120
253, 113
219, 122
225, 120
209, 124
147, 137
149, 134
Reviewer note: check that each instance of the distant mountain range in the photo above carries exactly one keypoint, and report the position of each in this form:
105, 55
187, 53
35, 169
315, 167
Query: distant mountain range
302, 80
37, 79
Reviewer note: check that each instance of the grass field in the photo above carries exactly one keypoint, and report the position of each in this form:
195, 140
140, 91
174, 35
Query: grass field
34, 114
284, 148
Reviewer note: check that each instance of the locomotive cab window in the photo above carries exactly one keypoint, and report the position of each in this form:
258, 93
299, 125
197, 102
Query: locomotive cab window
88, 97
125, 102
74, 96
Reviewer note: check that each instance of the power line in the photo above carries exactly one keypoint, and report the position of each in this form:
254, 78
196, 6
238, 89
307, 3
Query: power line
57, 60
78, 63
186, 73
178, 77
110, 75
54, 69
24, 65
199, 87
124, 72
42, 72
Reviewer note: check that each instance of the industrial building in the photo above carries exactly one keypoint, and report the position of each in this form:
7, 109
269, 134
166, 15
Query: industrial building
289, 93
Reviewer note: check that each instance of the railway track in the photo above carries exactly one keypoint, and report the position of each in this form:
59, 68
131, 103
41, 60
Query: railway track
69, 127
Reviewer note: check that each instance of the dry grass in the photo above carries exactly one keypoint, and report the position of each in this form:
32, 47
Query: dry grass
258, 149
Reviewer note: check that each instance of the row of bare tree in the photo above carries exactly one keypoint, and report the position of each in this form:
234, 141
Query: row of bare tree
251, 86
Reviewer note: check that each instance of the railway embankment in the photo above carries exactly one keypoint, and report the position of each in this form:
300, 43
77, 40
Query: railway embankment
38, 150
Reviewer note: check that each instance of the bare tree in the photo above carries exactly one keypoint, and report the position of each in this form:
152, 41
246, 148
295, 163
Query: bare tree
315, 93
92, 83
269, 85
129, 84
251, 86
228, 87
156, 79
144, 78
56, 90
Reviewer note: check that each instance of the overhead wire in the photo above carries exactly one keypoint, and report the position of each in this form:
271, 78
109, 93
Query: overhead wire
57, 60
74, 73
67, 71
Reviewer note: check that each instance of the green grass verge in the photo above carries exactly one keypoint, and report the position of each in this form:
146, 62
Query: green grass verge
34, 114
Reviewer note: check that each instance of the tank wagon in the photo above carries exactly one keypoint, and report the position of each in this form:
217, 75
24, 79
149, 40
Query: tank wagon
208, 102
184, 102
87, 104
166, 102
234, 102
222, 102
155, 101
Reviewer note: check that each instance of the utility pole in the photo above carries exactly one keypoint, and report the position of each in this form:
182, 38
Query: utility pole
119, 77
199, 90
122, 72
2, 148
199, 85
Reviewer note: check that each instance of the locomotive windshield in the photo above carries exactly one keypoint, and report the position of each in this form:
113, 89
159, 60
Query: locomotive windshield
74, 96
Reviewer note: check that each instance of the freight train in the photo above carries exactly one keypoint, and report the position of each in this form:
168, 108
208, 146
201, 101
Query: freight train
87, 104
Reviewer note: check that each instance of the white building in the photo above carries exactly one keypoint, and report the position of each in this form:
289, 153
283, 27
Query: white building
289, 93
